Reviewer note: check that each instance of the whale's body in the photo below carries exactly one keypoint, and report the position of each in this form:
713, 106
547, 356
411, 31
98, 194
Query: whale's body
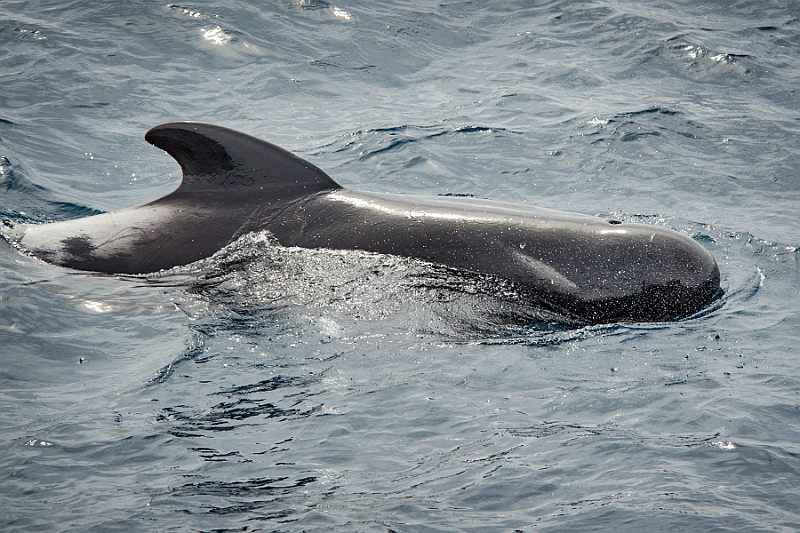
582, 267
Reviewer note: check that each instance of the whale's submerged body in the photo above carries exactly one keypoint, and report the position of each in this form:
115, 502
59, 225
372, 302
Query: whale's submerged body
585, 268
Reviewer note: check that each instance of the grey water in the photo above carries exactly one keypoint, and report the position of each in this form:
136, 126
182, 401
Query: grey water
286, 390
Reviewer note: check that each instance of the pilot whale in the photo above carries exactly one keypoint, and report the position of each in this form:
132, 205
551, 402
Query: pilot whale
584, 268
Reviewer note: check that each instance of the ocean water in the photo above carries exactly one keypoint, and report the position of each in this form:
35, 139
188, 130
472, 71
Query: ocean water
287, 390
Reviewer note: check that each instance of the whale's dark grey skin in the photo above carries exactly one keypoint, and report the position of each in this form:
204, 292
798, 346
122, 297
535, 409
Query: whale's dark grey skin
585, 268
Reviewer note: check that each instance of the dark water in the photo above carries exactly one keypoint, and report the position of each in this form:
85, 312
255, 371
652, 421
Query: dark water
242, 394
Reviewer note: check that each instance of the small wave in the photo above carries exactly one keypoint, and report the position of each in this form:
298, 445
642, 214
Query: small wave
313, 5
268, 385
575, 431
26, 33
392, 138
647, 111
643, 124
261, 499
342, 14
216, 35
698, 63
24, 201
392, 145
186, 10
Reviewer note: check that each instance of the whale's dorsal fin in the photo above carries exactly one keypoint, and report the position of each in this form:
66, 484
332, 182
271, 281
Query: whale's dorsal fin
213, 158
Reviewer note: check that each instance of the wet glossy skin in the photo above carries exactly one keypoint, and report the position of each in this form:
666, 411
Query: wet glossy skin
583, 267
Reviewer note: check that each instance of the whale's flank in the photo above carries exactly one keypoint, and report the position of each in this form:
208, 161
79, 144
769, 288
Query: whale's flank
587, 269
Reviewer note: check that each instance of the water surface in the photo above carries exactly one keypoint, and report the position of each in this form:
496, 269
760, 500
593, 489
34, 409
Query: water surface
260, 400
